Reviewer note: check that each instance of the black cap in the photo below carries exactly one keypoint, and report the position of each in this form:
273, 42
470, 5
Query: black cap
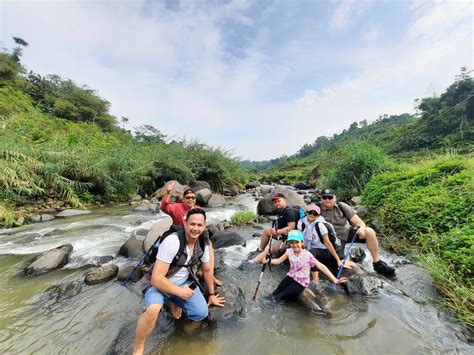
277, 196
187, 192
328, 192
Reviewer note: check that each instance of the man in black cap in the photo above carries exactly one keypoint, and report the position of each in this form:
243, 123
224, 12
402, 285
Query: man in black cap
286, 221
343, 217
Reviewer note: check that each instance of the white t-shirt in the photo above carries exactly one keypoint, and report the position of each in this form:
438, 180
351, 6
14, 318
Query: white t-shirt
168, 250
311, 237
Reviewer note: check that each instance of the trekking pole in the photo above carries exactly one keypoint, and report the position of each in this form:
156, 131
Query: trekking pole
124, 282
345, 257
269, 256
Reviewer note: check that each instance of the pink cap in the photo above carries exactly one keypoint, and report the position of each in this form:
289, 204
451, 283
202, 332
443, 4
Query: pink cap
314, 208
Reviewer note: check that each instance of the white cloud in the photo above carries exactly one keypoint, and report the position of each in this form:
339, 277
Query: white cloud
347, 12
171, 68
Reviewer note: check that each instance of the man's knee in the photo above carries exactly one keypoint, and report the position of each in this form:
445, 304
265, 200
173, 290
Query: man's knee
370, 233
151, 313
199, 313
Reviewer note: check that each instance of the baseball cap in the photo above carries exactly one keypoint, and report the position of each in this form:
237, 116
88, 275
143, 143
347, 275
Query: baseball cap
314, 208
277, 196
328, 192
187, 192
295, 234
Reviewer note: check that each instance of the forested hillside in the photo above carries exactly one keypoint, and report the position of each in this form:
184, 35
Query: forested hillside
58, 141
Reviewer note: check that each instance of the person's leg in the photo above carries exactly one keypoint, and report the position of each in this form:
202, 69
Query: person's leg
265, 238
146, 322
195, 307
291, 291
282, 285
372, 243
277, 247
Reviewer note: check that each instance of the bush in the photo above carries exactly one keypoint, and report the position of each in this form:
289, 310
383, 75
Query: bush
353, 166
243, 217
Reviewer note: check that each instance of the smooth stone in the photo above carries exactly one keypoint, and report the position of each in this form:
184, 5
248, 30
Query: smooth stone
224, 239
72, 212
157, 230
101, 274
50, 260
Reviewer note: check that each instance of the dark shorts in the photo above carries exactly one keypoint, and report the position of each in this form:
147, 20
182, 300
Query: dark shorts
324, 257
357, 239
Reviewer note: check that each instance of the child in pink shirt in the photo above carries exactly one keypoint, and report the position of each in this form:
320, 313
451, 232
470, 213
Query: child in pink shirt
301, 262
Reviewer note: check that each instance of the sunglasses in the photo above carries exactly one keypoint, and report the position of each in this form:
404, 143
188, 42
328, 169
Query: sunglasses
327, 197
190, 197
312, 213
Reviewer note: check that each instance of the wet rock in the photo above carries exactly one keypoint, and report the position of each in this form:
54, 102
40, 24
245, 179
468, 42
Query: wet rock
50, 260
132, 248
252, 185
234, 304
231, 190
212, 229
357, 254
265, 189
316, 298
216, 201
256, 235
135, 277
356, 200
102, 259
140, 232
123, 343
36, 218
224, 239
257, 226
203, 196
301, 186
362, 211
46, 217
20, 220
266, 206
364, 284
101, 274
63, 291
52, 232
158, 229
376, 224
150, 207
218, 259
72, 212
199, 185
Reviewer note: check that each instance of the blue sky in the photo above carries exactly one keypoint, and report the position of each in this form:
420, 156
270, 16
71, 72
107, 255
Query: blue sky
259, 78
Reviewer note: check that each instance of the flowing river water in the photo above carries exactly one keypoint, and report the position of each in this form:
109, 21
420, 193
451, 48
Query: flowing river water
399, 318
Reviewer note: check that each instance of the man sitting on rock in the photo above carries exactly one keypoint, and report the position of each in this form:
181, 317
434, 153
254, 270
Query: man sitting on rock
343, 217
173, 281
178, 211
286, 221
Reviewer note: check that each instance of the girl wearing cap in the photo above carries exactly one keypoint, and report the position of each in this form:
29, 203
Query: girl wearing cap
321, 248
301, 262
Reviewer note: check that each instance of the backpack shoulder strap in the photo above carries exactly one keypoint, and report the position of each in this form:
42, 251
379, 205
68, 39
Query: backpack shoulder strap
341, 209
182, 245
316, 226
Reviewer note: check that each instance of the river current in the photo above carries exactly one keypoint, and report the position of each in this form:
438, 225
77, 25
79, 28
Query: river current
397, 319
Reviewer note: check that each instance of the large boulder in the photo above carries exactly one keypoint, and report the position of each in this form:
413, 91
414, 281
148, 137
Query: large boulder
101, 274
356, 200
175, 194
50, 260
199, 185
234, 304
265, 205
72, 212
301, 186
224, 239
362, 211
232, 190
216, 201
132, 248
253, 184
158, 229
202, 196
148, 207
134, 277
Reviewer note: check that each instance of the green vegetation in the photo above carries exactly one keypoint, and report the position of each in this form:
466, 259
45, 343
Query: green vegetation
243, 217
59, 141
429, 207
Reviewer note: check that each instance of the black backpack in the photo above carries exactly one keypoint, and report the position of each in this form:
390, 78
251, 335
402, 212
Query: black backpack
297, 211
178, 229
331, 234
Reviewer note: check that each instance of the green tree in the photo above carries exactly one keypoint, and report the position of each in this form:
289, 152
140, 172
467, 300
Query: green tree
18, 51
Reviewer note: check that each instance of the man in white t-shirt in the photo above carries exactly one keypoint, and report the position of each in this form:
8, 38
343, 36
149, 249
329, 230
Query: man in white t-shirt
171, 279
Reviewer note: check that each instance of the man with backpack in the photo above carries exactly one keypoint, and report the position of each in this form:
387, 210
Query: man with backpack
344, 218
287, 219
173, 277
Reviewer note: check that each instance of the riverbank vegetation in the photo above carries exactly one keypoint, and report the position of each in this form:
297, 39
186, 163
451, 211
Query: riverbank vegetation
243, 217
416, 173
59, 142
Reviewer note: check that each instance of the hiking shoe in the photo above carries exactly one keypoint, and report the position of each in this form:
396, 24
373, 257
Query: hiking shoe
383, 268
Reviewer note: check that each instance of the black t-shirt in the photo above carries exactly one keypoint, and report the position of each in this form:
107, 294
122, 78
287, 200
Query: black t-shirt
286, 216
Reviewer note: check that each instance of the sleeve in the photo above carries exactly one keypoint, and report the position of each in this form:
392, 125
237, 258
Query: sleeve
322, 229
165, 206
206, 256
348, 210
168, 249
299, 225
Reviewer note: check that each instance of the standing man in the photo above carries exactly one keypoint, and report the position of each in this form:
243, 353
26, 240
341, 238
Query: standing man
343, 217
172, 280
286, 221
178, 211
